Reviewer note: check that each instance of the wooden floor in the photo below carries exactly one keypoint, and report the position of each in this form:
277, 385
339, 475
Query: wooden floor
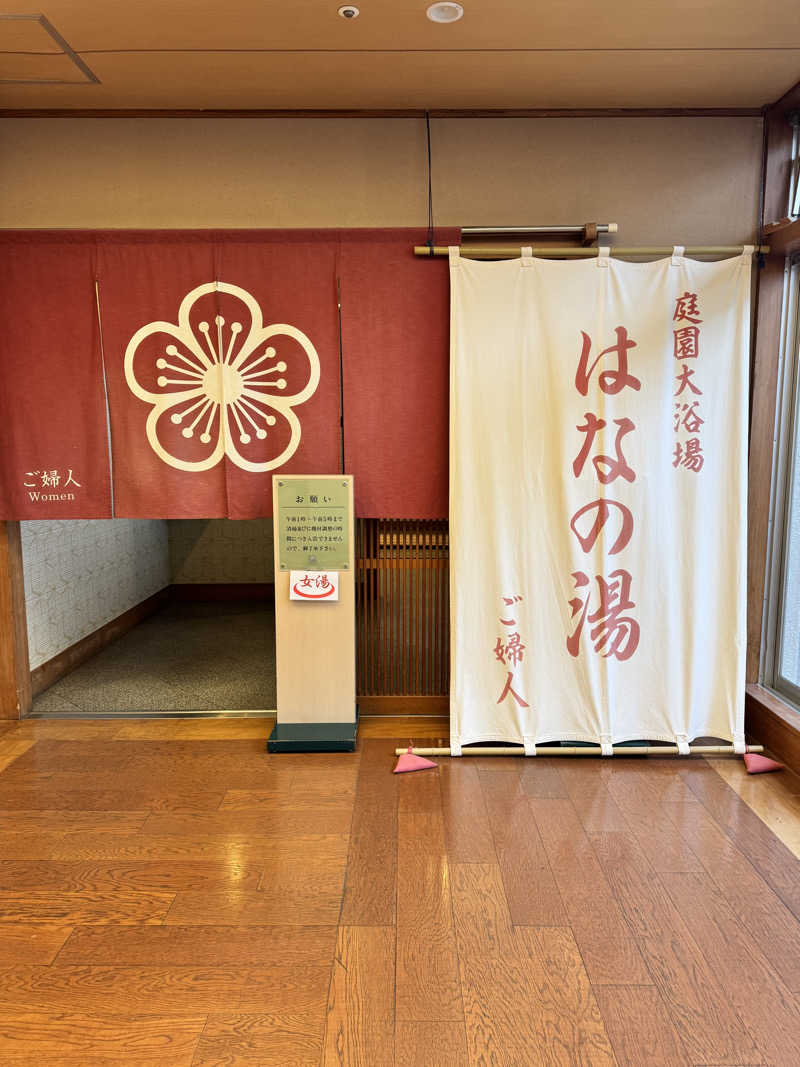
172, 895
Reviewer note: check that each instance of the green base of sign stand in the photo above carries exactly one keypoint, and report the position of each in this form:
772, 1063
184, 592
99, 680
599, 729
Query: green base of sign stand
313, 737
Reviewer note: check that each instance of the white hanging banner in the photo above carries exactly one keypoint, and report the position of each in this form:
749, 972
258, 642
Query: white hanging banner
598, 466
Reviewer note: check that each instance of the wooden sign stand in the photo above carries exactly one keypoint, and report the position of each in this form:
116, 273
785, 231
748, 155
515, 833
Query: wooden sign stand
314, 641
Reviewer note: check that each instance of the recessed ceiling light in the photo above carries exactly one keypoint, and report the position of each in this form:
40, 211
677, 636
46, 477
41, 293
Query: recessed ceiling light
445, 12
349, 11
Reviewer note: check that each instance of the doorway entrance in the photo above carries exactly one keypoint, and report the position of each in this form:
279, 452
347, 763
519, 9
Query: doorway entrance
155, 617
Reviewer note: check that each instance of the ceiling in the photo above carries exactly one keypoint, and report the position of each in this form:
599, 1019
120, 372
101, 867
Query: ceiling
299, 54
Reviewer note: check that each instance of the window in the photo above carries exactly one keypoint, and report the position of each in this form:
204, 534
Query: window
793, 209
782, 631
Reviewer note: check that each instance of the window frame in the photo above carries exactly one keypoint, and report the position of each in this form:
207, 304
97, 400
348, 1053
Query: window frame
786, 456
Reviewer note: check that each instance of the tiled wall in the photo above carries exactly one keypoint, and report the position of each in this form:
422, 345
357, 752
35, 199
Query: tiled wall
220, 550
80, 574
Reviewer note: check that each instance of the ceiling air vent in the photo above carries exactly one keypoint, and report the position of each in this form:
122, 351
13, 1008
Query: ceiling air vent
33, 52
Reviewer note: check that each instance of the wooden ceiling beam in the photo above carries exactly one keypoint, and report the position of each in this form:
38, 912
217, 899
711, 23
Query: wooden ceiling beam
373, 113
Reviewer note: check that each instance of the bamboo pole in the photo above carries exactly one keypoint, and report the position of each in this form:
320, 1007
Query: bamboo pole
555, 750
573, 252
515, 231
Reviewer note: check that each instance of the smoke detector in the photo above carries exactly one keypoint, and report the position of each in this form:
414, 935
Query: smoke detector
445, 12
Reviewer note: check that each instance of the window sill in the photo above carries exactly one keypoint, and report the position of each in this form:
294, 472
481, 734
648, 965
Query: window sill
773, 722
783, 236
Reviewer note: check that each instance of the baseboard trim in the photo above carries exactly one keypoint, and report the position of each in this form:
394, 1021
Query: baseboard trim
774, 724
222, 591
48, 673
68, 716
403, 705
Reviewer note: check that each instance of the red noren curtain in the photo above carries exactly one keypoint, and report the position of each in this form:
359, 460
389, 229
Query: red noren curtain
224, 363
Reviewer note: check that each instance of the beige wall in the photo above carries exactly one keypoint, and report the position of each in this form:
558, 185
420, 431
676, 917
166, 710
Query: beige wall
220, 551
684, 180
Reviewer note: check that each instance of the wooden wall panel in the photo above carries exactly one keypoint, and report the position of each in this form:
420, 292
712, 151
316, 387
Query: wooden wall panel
402, 610
15, 679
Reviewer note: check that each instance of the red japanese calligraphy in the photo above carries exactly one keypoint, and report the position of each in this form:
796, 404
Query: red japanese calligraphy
686, 309
612, 632
507, 689
687, 416
511, 652
684, 381
610, 381
687, 342
602, 508
607, 469
508, 601
691, 457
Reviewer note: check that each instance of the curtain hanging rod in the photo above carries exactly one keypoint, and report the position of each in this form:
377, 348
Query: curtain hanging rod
550, 750
508, 231
571, 252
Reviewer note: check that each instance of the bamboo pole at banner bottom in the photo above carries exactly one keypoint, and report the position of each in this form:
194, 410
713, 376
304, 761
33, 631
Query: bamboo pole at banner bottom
555, 252
552, 750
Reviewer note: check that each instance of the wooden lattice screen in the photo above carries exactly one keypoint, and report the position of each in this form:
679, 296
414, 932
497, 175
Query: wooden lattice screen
402, 609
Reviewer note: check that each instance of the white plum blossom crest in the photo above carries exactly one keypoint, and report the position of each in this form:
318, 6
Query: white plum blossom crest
220, 395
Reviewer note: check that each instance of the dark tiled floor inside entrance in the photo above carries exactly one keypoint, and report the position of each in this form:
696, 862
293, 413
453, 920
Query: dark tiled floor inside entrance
187, 657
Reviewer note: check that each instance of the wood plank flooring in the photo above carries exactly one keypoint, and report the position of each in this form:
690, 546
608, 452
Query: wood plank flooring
172, 896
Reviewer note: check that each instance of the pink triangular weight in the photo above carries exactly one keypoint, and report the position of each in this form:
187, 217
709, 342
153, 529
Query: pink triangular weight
758, 764
409, 762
